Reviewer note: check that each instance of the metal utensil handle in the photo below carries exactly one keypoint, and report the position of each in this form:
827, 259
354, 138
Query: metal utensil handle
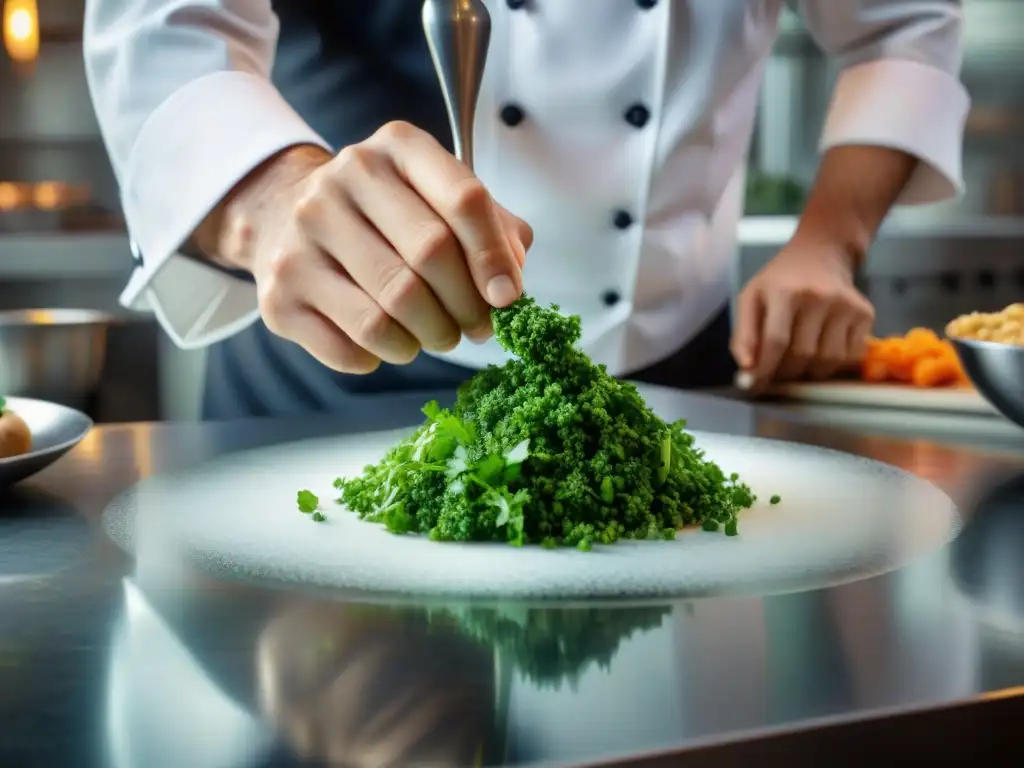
458, 35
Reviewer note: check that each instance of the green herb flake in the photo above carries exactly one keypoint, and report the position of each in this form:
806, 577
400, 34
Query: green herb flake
318, 517
775, 499
308, 502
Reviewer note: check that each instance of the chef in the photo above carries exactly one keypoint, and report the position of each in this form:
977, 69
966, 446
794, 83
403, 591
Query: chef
293, 203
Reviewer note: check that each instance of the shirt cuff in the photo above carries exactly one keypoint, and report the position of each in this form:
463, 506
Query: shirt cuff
191, 151
195, 304
909, 106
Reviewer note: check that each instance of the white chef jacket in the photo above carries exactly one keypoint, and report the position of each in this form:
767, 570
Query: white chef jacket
641, 107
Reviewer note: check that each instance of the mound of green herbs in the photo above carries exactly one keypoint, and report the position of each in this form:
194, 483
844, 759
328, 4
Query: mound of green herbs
546, 449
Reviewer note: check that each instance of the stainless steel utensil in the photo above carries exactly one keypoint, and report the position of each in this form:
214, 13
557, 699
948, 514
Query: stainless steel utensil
458, 35
997, 371
56, 429
52, 354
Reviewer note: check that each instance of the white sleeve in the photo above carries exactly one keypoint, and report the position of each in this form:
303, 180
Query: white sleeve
899, 84
185, 104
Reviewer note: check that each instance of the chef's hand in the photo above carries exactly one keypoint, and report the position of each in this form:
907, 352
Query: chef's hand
391, 246
801, 316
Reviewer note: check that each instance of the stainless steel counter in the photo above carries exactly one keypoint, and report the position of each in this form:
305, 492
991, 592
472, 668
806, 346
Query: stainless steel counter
107, 663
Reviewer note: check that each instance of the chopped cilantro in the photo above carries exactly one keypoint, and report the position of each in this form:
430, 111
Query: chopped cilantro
318, 517
775, 499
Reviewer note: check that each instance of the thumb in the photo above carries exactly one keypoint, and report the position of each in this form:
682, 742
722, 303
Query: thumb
749, 314
519, 233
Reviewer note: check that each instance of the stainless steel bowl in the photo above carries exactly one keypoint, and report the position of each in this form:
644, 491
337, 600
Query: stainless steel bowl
52, 354
997, 371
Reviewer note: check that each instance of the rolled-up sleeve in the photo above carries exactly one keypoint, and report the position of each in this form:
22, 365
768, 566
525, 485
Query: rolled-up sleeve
899, 84
184, 100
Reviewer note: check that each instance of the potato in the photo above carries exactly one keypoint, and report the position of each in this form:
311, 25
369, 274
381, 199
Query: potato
15, 437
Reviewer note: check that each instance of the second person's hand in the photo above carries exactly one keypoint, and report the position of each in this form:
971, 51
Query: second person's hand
801, 317
390, 246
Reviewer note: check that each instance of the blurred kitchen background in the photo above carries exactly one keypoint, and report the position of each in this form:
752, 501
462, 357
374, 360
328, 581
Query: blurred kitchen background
63, 244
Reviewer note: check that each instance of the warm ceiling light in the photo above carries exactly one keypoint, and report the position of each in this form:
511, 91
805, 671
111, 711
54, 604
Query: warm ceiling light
21, 30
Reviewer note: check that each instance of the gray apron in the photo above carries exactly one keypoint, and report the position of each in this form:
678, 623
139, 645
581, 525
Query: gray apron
348, 68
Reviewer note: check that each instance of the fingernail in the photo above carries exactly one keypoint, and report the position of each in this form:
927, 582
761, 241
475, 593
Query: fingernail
480, 335
745, 380
501, 291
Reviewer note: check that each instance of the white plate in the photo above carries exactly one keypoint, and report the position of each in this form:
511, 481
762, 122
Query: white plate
56, 429
841, 518
959, 400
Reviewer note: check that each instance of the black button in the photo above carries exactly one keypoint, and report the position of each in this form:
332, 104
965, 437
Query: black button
645, 4
512, 115
638, 115
610, 298
515, 5
622, 220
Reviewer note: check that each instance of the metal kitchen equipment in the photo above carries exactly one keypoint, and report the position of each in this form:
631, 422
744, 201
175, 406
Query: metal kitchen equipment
52, 354
997, 370
458, 35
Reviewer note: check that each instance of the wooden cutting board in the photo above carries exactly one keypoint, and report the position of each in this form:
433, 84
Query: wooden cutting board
898, 396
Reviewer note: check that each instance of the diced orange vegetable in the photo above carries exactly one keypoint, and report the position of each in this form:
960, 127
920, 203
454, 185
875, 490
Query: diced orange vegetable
934, 372
874, 370
920, 358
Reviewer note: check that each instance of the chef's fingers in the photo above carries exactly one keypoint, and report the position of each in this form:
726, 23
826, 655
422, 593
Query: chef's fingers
831, 356
428, 254
520, 234
323, 340
461, 199
354, 244
775, 336
282, 288
749, 319
804, 342
305, 297
363, 320
857, 341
